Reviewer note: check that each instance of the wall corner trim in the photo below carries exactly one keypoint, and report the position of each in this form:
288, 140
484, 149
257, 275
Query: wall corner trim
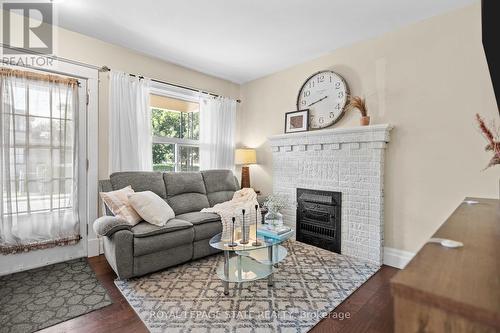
94, 247
397, 258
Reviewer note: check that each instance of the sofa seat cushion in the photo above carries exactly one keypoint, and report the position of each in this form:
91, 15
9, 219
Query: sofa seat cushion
161, 242
207, 230
145, 229
199, 217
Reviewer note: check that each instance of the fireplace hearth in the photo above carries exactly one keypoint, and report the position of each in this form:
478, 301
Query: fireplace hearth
318, 220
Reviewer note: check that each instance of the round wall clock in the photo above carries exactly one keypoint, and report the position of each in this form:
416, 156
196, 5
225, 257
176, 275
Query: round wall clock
325, 95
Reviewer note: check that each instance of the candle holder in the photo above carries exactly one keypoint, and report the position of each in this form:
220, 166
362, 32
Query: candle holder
257, 242
233, 243
244, 238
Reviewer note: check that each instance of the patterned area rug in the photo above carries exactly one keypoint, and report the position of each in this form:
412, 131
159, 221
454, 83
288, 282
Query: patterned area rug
308, 285
42, 297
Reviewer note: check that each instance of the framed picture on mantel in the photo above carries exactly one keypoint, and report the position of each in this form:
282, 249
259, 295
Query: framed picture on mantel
296, 121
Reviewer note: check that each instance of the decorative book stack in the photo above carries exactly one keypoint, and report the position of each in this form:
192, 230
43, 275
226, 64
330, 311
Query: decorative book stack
269, 231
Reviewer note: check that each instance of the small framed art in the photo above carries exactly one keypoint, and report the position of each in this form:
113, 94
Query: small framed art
296, 121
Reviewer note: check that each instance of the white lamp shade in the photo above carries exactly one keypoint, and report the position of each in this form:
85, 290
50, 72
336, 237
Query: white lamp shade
245, 156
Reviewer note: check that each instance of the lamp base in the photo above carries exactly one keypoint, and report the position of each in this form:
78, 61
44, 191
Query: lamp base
245, 176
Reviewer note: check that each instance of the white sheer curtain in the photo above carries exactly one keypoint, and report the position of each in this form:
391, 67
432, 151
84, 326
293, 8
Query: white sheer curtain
217, 127
38, 161
130, 141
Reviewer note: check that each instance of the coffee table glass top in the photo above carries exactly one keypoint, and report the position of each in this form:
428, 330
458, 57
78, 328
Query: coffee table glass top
266, 242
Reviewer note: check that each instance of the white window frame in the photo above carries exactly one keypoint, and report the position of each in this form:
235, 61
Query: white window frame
187, 95
89, 244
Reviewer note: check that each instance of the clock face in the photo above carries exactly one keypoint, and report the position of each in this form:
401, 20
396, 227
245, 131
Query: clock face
325, 95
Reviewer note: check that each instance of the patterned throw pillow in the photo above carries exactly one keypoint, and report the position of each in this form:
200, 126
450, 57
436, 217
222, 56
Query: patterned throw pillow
117, 201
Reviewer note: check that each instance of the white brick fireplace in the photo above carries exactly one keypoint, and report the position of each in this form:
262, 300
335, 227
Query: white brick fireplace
346, 160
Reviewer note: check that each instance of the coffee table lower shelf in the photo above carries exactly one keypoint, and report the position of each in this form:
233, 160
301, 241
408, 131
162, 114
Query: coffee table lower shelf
243, 269
245, 266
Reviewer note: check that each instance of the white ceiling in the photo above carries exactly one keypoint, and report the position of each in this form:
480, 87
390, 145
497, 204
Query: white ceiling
241, 40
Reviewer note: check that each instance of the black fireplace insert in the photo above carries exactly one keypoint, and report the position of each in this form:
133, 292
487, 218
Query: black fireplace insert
319, 218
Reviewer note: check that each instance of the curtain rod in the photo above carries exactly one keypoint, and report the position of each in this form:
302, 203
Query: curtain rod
102, 69
107, 69
54, 57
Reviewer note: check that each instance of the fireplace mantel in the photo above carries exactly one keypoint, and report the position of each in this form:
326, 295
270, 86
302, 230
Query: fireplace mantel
335, 136
346, 160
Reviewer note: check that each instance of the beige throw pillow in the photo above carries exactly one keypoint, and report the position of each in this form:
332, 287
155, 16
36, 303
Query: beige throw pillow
117, 201
151, 207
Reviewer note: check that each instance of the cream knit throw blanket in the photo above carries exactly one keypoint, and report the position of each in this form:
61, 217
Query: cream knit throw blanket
245, 198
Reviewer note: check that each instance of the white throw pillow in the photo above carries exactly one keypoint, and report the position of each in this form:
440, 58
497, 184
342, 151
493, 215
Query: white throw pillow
117, 202
151, 207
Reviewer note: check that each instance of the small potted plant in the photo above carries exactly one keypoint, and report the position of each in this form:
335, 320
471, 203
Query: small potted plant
360, 104
274, 203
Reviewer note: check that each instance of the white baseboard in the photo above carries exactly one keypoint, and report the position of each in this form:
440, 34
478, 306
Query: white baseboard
94, 247
397, 258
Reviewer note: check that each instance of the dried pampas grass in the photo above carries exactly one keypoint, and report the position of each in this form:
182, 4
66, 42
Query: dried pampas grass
358, 103
492, 136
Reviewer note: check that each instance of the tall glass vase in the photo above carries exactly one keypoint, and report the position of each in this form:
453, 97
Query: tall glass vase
244, 225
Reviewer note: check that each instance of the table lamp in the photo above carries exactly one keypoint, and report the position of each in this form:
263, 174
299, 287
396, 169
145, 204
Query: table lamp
245, 157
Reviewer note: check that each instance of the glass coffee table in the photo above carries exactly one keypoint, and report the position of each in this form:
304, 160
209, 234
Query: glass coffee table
246, 262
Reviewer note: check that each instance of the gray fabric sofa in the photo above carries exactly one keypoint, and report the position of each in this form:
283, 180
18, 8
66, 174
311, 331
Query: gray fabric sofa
145, 248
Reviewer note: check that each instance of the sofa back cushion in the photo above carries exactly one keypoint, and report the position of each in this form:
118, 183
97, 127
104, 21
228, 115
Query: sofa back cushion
185, 192
220, 185
140, 181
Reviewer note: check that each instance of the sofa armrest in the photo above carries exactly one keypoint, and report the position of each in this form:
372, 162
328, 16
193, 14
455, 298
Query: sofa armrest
108, 225
119, 252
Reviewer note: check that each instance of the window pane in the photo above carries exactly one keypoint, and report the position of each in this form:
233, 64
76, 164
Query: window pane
39, 164
189, 158
39, 195
39, 100
163, 157
62, 166
19, 94
17, 129
62, 103
62, 197
166, 123
18, 191
62, 133
175, 124
39, 131
190, 125
15, 167
174, 118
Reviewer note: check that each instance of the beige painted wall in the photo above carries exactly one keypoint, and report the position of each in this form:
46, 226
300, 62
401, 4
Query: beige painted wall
428, 80
89, 50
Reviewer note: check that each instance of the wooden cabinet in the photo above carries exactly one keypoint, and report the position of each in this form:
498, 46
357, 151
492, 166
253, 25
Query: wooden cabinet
454, 290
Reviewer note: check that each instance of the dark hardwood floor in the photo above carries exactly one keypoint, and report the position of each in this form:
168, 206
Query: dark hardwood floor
369, 308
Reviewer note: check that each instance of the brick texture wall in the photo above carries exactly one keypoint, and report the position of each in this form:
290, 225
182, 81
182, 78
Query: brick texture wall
350, 161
